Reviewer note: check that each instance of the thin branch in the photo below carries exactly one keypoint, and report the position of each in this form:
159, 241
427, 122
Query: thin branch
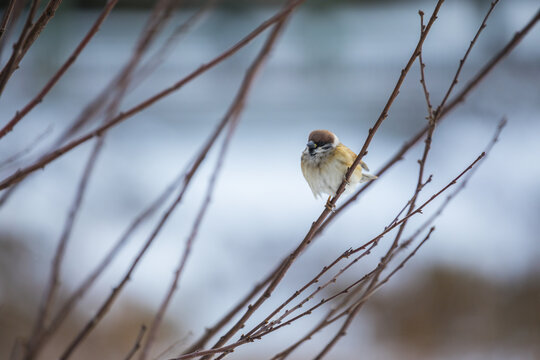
393, 96
353, 311
47, 14
462, 61
107, 304
307, 239
422, 162
53, 155
247, 339
70, 303
95, 106
318, 327
496, 59
137, 344
6, 17
26, 150
12, 64
189, 243
266, 324
422, 74
210, 332
53, 283
173, 345
54, 79
421, 207
40, 334
29, 34
463, 183
518, 36
112, 297
180, 30
232, 117
14, 17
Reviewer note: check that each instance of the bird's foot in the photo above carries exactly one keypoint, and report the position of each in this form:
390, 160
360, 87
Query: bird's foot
331, 207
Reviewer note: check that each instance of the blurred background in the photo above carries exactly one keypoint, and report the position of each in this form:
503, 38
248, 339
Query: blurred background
472, 291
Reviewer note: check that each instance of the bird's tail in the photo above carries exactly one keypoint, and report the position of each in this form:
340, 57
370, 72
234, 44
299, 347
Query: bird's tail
367, 177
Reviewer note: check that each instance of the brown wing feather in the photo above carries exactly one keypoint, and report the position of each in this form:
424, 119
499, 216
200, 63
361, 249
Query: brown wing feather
351, 156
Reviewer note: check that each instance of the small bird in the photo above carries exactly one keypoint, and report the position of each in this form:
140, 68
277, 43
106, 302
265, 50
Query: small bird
325, 161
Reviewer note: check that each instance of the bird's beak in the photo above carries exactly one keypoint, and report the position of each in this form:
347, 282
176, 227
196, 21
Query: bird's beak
311, 145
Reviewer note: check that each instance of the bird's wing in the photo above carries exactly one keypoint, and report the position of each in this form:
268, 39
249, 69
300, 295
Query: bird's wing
352, 157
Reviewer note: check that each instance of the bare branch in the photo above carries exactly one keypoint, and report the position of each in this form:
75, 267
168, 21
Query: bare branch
53, 155
353, 311
29, 34
232, 117
497, 58
462, 61
137, 344
6, 17
54, 79
13, 158
36, 338
384, 113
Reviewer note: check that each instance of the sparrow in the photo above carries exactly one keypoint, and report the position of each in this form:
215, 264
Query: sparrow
325, 161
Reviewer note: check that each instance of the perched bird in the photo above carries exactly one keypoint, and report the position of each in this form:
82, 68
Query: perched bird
325, 161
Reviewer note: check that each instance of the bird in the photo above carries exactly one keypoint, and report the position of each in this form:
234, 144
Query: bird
325, 161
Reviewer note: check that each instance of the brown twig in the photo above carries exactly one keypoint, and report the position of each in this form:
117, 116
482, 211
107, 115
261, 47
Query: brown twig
112, 297
210, 332
292, 257
384, 113
47, 14
460, 97
518, 36
189, 243
111, 255
96, 105
29, 34
104, 308
230, 348
53, 283
353, 310
137, 344
10, 25
462, 61
405, 148
180, 30
318, 327
372, 288
12, 63
231, 118
53, 155
6, 17
422, 74
422, 162
247, 339
464, 182
54, 79
120, 91
266, 324
40, 336
464, 92
13, 158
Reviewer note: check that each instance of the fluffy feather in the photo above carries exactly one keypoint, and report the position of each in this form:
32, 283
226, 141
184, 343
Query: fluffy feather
325, 164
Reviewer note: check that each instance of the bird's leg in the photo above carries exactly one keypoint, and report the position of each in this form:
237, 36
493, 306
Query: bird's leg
329, 206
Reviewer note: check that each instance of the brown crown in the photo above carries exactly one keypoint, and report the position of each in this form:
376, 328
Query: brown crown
321, 137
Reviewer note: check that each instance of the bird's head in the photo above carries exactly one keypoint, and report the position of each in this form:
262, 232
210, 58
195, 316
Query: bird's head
321, 142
